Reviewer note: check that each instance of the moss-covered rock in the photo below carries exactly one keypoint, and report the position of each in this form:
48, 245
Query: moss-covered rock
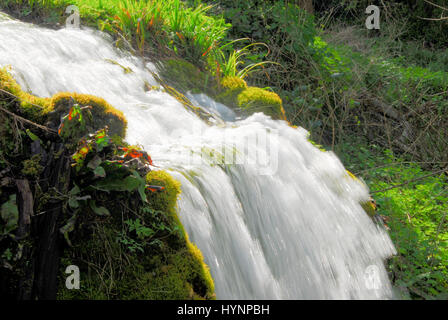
165, 200
103, 114
51, 110
255, 99
231, 91
235, 93
188, 263
230, 88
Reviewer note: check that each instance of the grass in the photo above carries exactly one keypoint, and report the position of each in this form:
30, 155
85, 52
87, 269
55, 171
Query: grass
167, 23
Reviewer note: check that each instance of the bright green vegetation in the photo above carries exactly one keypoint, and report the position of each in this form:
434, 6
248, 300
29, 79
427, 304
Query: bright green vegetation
149, 25
414, 205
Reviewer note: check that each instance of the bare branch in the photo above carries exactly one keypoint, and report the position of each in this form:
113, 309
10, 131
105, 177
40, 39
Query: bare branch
436, 5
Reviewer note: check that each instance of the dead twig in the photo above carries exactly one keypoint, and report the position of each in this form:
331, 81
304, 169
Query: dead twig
28, 121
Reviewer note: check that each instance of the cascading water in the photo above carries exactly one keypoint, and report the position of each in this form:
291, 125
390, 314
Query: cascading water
285, 224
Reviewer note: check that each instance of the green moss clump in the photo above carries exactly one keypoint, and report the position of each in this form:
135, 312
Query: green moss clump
255, 99
32, 167
233, 83
231, 87
176, 275
103, 113
235, 93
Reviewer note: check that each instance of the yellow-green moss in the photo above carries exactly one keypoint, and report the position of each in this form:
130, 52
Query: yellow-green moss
167, 199
34, 108
233, 83
189, 261
236, 93
255, 99
230, 88
103, 113
40, 109
178, 275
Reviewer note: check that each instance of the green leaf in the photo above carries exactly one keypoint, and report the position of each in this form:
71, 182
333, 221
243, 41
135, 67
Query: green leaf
32, 135
130, 183
75, 190
10, 214
69, 227
94, 163
73, 203
99, 172
101, 211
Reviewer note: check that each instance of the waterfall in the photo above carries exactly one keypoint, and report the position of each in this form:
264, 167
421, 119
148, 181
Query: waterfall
275, 217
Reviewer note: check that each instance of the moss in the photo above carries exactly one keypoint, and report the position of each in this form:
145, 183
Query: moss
231, 87
201, 270
318, 146
255, 99
189, 261
34, 108
168, 198
32, 167
173, 269
42, 109
233, 83
103, 113
173, 275
369, 207
184, 76
235, 93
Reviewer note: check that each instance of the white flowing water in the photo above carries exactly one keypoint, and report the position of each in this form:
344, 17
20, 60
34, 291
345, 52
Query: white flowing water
282, 222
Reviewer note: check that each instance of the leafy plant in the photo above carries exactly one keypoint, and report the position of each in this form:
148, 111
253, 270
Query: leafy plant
10, 215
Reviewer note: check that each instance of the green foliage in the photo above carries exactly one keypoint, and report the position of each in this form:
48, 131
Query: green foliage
189, 32
10, 216
411, 14
139, 253
415, 212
